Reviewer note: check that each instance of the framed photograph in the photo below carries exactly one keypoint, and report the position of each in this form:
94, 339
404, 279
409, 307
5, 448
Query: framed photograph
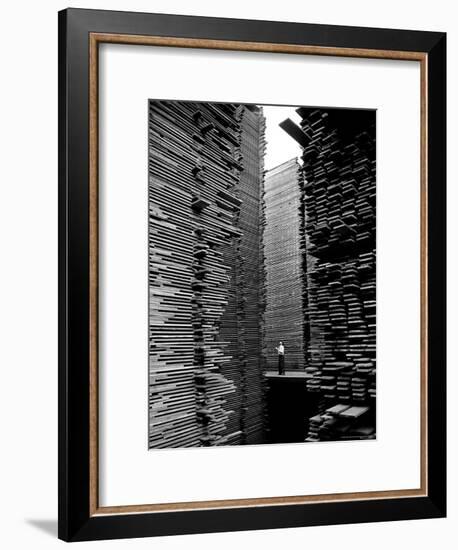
251, 275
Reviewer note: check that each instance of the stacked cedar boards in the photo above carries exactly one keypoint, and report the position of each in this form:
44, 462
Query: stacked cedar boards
342, 422
198, 332
249, 191
241, 325
283, 255
340, 201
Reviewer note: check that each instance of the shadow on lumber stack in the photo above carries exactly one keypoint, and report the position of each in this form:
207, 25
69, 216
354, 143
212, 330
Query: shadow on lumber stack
339, 194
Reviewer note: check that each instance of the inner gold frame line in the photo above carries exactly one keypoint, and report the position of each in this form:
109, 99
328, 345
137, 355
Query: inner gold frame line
95, 39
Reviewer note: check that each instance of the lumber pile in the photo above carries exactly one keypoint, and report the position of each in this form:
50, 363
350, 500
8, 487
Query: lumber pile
283, 254
342, 422
202, 254
250, 283
339, 194
241, 325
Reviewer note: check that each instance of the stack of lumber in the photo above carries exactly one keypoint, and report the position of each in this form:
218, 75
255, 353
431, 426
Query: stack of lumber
249, 190
193, 166
241, 324
172, 402
283, 257
203, 339
342, 422
339, 194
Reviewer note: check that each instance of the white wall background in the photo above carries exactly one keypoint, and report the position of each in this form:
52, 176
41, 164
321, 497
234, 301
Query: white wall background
28, 274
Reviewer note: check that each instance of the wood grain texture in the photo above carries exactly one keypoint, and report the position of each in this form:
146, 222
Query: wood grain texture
269, 501
93, 274
174, 42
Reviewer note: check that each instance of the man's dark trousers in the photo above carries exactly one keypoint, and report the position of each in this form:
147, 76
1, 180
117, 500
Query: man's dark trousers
281, 363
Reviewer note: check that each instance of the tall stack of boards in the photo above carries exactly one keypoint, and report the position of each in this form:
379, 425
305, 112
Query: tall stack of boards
339, 194
205, 274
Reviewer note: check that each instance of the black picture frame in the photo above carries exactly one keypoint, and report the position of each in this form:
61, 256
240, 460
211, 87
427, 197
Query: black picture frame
76, 520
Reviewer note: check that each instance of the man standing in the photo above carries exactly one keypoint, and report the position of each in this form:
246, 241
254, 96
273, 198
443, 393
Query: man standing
281, 358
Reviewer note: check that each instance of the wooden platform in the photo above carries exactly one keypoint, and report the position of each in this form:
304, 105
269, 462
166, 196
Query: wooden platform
289, 375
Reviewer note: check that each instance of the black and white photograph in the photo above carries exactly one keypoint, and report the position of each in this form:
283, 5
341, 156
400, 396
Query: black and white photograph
262, 274
230, 248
